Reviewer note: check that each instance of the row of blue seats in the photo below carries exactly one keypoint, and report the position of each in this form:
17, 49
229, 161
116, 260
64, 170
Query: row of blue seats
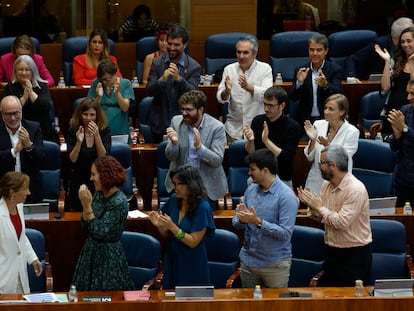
287, 50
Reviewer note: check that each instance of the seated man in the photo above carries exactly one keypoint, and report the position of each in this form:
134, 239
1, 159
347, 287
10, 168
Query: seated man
21, 145
198, 139
275, 131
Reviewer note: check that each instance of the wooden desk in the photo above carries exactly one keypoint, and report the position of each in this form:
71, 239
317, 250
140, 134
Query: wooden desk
65, 237
323, 299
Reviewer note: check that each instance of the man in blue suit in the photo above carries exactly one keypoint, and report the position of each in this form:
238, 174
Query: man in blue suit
366, 61
315, 81
198, 139
171, 75
21, 145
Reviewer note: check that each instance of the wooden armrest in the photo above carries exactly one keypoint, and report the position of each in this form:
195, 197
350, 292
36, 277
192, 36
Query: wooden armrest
49, 275
228, 201
409, 261
61, 201
154, 196
140, 201
221, 204
155, 282
232, 278
315, 279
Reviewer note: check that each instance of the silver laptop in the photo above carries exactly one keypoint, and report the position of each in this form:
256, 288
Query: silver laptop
194, 292
393, 287
36, 210
119, 139
385, 205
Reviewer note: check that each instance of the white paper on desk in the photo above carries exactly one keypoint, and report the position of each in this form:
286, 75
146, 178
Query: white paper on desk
137, 214
86, 86
41, 297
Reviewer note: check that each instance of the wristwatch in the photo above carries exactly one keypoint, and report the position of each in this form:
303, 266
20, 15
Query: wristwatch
259, 224
405, 129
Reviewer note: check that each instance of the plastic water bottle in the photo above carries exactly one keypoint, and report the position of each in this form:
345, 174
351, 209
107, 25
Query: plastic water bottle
378, 136
135, 82
61, 83
407, 210
257, 293
279, 79
73, 294
359, 288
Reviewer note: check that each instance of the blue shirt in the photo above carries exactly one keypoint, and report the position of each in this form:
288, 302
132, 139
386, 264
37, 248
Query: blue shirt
277, 206
404, 170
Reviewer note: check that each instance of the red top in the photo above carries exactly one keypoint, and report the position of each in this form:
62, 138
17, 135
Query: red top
83, 74
17, 223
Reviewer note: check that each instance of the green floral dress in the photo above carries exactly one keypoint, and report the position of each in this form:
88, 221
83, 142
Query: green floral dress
102, 265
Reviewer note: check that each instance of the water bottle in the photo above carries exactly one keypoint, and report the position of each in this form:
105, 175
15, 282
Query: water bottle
378, 136
135, 82
207, 80
257, 293
407, 210
73, 294
61, 83
279, 79
359, 288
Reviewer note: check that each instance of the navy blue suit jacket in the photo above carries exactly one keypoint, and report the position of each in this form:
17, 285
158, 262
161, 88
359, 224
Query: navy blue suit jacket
30, 160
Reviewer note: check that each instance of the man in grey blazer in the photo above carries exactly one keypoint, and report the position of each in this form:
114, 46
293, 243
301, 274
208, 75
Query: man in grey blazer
198, 139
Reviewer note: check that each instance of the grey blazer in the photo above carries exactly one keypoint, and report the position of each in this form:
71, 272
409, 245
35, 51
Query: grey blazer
213, 138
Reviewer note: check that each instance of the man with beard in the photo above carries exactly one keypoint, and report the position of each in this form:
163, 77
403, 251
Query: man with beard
275, 131
171, 75
343, 208
315, 81
198, 139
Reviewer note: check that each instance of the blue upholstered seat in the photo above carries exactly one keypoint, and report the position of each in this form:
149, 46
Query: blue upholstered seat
143, 253
389, 251
237, 173
220, 50
143, 112
370, 109
307, 255
159, 192
50, 172
72, 47
223, 257
289, 50
374, 164
144, 47
7, 42
344, 43
45, 281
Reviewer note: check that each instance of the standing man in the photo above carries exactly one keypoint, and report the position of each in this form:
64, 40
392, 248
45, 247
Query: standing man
316, 81
21, 145
343, 207
198, 139
366, 61
402, 140
275, 131
268, 217
171, 75
242, 87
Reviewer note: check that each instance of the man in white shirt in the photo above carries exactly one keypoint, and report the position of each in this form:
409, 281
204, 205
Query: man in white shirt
242, 87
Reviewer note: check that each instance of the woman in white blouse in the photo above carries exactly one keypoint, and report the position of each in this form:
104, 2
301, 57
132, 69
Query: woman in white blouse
334, 129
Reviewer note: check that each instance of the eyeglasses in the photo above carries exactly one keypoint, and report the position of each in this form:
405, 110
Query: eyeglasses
187, 110
270, 106
12, 114
107, 79
24, 69
324, 162
177, 183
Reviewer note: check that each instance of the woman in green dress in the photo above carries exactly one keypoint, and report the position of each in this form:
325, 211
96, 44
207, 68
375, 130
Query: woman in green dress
102, 265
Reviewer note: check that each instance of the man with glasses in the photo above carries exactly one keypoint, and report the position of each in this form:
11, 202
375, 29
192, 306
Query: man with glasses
21, 145
275, 131
198, 139
343, 207
242, 87
171, 75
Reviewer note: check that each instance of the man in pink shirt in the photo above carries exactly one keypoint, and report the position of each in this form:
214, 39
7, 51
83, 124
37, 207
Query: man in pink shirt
343, 207
23, 45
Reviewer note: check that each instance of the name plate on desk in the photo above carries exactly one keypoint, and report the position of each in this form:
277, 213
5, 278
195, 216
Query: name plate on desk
97, 298
194, 292
36, 211
393, 288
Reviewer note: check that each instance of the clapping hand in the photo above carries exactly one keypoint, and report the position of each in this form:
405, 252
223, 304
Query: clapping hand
172, 135
382, 53
309, 198
310, 130
99, 89
80, 134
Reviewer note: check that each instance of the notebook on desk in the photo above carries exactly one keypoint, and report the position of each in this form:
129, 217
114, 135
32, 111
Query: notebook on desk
385, 205
36, 210
375, 77
393, 287
194, 292
119, 139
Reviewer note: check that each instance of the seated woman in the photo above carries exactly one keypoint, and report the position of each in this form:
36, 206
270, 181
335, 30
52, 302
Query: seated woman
114, 94
161, 37
185, 219
33, 93
85, 65
88, 138
23, 45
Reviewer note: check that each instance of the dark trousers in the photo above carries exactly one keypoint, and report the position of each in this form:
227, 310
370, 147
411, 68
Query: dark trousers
345, 265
